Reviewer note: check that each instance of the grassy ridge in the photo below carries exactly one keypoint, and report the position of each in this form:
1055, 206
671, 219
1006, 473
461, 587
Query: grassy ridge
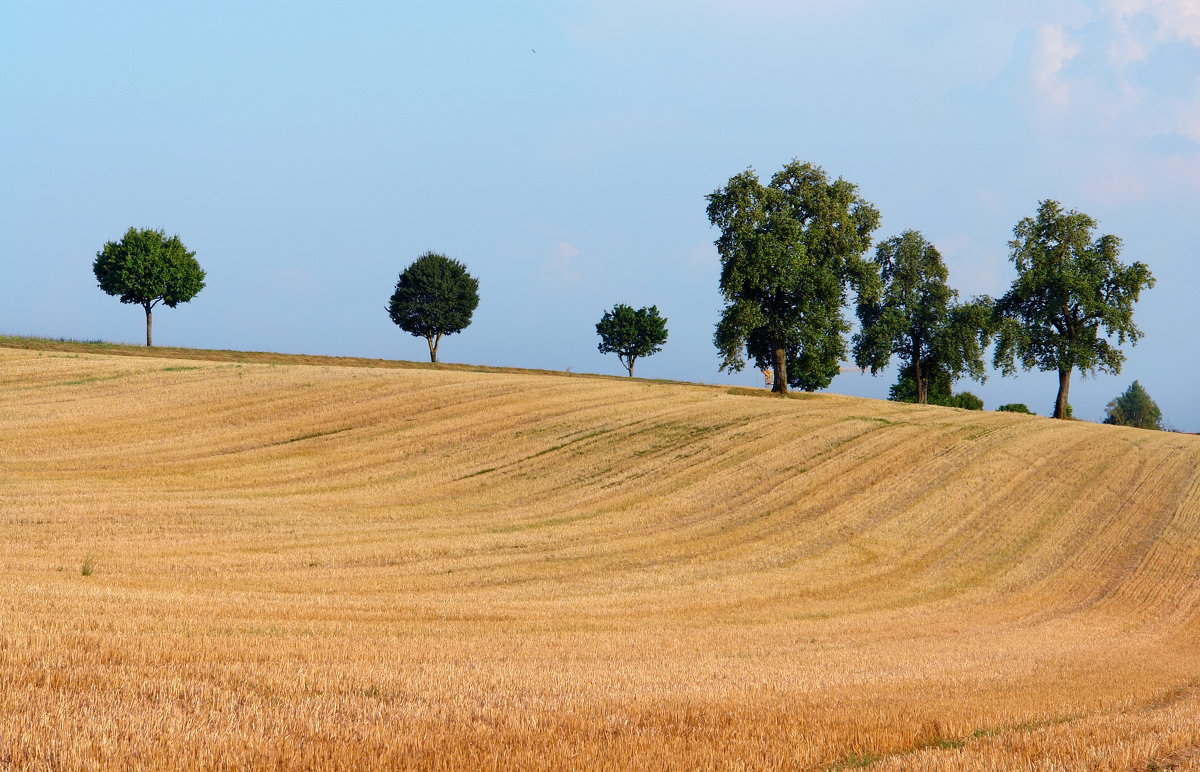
258, 357
331, 567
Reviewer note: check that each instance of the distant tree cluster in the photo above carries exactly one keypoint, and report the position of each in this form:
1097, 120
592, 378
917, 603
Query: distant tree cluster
792, 249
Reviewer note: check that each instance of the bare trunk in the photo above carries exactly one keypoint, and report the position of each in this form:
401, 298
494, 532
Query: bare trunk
433, 341
629, 365
149, 326
780, 385
919, 379
1064, 386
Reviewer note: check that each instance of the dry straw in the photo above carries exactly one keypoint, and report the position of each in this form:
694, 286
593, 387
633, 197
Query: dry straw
323, 567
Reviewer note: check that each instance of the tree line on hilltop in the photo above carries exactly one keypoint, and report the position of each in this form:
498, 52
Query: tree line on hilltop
792, 251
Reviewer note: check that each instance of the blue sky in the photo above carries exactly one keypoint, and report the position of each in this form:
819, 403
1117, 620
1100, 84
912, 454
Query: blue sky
309, 151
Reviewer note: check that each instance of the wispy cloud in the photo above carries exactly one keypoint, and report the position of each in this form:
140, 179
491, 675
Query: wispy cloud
1172, 20
1054, 51
561, 266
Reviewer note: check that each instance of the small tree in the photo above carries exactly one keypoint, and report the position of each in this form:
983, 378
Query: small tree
1134, 408
434, 296
916, 317
1070, 295
147, 268
789, 251
631, 334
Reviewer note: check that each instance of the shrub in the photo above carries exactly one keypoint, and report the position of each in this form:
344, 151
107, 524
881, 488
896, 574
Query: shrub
1134, 408
965, 400
1015, 407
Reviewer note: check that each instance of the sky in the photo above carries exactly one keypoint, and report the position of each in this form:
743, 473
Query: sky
308, 152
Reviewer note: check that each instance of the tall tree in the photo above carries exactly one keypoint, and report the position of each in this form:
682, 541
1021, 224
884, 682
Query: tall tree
1134, 408
631, 334
789, 252
435, 296
916, 317
148, 268
1071, 295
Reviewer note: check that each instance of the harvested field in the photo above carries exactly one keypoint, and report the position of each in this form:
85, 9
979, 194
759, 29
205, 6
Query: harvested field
233, 564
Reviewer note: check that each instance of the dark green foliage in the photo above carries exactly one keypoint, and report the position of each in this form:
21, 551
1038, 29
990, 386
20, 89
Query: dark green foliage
434, 296
938, 392
631, 334
916, 317
147, 268
1015, 407
789, 251
966, 400
1134, 408
1070, 296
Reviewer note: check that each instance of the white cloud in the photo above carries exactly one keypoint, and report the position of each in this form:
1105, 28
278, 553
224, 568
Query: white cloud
1189, 119
1173, 20
1054, 51
561, 265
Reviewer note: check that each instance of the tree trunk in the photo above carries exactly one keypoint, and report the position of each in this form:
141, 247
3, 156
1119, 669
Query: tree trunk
149, 326
433, 341
780, 385
630, 366
1064, 386
919, 380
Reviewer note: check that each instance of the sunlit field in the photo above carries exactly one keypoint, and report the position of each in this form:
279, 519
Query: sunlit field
232, 564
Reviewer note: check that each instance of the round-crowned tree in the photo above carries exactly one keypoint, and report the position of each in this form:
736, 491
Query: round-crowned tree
434, 296
631, 334
146, 267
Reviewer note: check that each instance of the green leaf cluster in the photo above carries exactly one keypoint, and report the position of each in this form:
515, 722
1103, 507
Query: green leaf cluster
916, 317
1134, 408
434, 296
789, 251
631, 334
147, 267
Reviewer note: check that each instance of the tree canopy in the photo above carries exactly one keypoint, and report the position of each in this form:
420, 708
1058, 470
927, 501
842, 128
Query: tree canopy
1134, 408
916, 317
789, 251
148, 268
631, 334
1071, 295
434, 296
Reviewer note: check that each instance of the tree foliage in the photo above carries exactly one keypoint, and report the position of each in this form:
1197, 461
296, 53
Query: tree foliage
1071, 295
939, 391
916, 317
1015, 407
1134, 408
789, 252
631, 334
435, 296
147, 267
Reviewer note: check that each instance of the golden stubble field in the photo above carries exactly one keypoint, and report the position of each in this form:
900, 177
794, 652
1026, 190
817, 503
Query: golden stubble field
230, 565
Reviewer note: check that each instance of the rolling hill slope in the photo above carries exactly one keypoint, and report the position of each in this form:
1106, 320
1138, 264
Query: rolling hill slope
216, 564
